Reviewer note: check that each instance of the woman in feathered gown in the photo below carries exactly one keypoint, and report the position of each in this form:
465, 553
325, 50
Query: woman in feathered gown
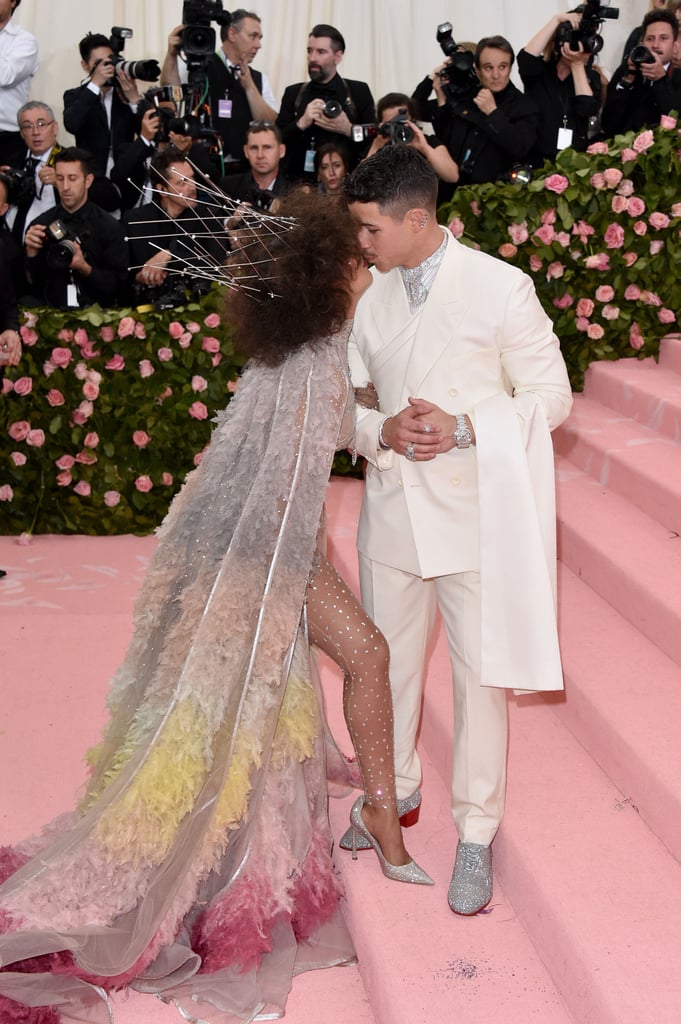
197, 865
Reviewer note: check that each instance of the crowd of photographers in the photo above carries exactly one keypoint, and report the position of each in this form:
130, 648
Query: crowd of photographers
132, 213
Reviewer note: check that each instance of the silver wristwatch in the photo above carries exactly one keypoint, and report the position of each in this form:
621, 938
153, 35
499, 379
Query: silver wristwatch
462, 435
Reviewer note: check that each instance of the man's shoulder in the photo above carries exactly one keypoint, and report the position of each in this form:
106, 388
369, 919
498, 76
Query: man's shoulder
21, 34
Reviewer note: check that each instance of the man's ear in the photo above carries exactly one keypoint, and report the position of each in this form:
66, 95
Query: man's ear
417, 219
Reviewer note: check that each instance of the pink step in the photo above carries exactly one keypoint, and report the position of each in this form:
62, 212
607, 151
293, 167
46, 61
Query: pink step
626, 457
641, 389
670, 352
622, 554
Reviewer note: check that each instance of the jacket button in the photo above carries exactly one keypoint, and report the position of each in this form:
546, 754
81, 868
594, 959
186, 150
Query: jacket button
455, 481
453, 392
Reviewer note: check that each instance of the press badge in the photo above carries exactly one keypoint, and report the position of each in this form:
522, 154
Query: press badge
309, 161
564, 138
71, 295
224, 108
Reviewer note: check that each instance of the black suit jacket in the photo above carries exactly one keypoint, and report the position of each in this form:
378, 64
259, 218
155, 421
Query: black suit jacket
243, 186
358, 104
641, 104
85, 117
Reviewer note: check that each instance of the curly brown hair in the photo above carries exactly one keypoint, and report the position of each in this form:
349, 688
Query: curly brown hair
305, 292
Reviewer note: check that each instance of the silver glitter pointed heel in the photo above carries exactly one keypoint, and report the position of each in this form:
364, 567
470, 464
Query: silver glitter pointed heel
408, 811
410, 872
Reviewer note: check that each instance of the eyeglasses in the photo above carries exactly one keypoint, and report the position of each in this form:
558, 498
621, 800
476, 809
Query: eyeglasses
32, 126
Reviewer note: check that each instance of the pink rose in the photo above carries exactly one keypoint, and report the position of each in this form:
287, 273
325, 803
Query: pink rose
80, 337
90, 390
80, 371
89, 350
86, 409
19, 430
30, 319
628, 155
554, 270
61, 356
167, 479
216, 359
24, 539
65, 335
199, 383
126, 327
6, 493
582, 323
640, 227
232, 385
79, 418
583, 229
604, 293
657, 220
140, 330
117, 362
585, 307
198, 458
562, 238
65, 462
612, 176
564, 302
28, 336
175, 329
614, 236
193, 327
457, 227
676, 210
111, 498
619, 204
549, 216
475, 207
651, 299
64, 478
635, 206
595, 332
144, 484
535, 263
210, 344
518, 233
185, 340
666, 316
107, 333
599, 261
36, 438
556, 183
597, 180
212, 321
91, 440
636, 339
146, 369
630, 258
625, 187
507, 250
23, 385
546, 233
7, 386
83, 488
164, 354
18, 458
597, 147
164, 394
667, 122
643, 141
610, 312
141, 438
86, 458
198, 411
632, 293
656, 247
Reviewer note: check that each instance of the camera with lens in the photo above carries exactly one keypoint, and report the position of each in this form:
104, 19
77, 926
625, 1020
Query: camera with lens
144, 70
198, 41
20, 186
397, 130
593, 13
61, 246
459, 78
333, 108
641, 55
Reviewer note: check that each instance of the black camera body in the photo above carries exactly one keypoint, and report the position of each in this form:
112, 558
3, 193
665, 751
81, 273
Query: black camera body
61, 247
594, 13
641, 55
459, 78
397, 131
198, 40
333, 108
143, 70
20, 186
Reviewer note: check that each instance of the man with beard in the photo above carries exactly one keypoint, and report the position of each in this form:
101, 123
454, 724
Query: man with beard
323, 109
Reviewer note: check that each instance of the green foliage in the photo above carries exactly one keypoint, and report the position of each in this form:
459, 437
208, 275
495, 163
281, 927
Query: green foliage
599, 232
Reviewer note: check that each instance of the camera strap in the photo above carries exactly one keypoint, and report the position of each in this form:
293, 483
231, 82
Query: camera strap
349, 104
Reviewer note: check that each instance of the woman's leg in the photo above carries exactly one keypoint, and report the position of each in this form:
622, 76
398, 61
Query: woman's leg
339, 626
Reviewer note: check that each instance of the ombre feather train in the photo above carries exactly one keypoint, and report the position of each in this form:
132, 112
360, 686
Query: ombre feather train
197, 865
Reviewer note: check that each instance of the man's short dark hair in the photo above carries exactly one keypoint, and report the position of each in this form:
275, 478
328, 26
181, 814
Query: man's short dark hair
237, 17
16, 4
667, 16
397, 99
493, 43
255, 127
397, 179
329, 32
75, 155
91, 42
161, 164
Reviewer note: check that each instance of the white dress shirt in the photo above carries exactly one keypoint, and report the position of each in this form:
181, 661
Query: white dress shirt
18, 64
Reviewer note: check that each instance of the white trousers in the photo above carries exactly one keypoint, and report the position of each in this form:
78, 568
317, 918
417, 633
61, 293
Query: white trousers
404, 607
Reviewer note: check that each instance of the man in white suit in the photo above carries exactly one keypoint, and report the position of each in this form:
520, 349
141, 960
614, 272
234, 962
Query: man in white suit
458, 511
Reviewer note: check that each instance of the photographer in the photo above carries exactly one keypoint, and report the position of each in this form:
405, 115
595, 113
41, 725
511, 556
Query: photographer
646, 85
264, 151
174, 236
323, 109
76, 252
563, 85
38, 127
487, 125
100, 113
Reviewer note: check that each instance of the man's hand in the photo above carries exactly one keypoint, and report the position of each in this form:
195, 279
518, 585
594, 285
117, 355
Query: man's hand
341, 124
413, 426
150, 124
10, 348
47, 175
102, 73
78, 261
182, 142
653, 72
128, 87
367, 396
439, 420
153, 272
35, 239
485, 101
175, 41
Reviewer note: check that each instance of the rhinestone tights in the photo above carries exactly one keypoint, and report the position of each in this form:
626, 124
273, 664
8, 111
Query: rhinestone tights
339, 626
